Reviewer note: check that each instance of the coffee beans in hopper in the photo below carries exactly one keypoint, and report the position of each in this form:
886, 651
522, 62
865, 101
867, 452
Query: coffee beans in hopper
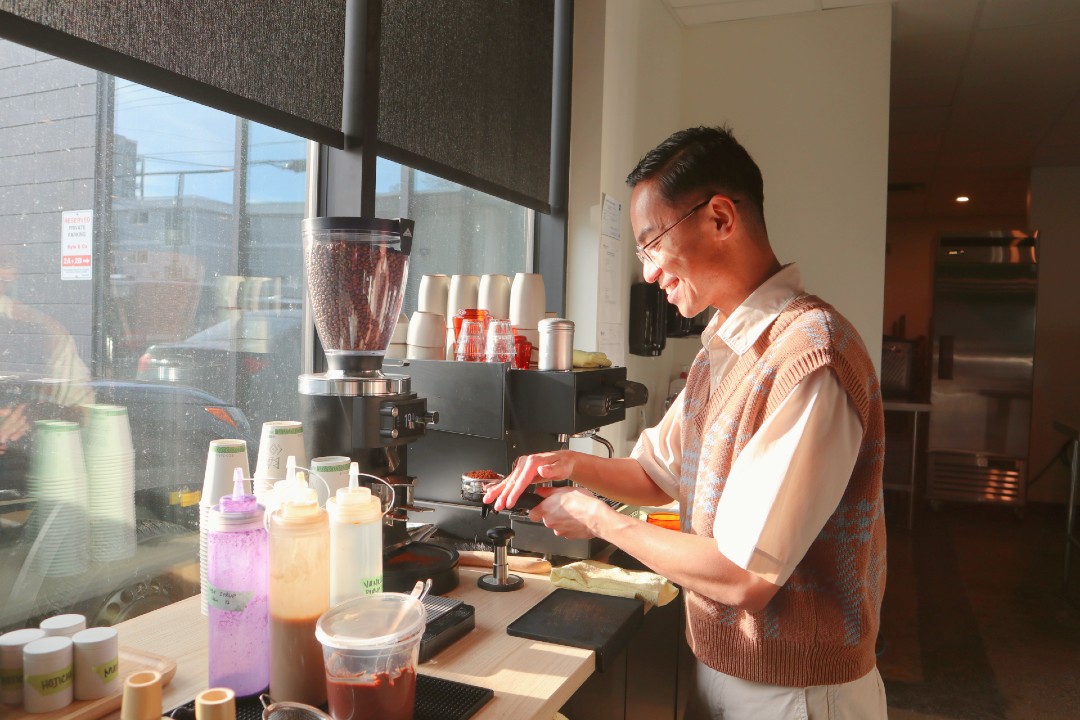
356, 293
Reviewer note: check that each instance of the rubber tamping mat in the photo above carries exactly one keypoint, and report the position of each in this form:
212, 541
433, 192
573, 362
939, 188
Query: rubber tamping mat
601, 623
436, 699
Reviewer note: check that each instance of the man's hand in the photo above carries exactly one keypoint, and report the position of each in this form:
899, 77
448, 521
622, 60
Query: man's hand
13, 425
568, 512
557, 465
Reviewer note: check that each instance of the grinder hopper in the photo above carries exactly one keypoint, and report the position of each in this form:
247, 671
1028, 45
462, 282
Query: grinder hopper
356, 270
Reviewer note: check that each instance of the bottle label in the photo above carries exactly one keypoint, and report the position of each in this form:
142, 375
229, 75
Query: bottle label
107, 671
228, 600
372, 585
51, 683
10, 679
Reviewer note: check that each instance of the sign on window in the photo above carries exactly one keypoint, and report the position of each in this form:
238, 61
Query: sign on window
76, 245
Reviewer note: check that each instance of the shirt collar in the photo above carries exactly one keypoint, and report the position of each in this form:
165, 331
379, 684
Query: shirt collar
742, 328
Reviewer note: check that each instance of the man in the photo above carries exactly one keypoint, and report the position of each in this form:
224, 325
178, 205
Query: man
774, 451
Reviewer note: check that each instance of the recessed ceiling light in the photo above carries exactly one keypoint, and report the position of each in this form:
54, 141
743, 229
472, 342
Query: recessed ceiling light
962, 198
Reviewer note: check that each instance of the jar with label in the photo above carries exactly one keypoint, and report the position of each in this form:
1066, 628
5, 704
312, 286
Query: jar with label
11, 663
48, 674
238, 604
556, 344
97, 663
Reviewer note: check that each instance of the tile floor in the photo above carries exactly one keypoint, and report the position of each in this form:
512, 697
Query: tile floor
976, 623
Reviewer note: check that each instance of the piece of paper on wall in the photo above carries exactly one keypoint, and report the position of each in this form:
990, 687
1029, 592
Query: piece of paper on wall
76, 245
611, 218
610, 290
612, 342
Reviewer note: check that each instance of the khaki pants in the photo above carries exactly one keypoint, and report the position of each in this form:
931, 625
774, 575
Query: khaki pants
716, 696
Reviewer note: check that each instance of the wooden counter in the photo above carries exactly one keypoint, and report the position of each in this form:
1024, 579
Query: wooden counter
530, 679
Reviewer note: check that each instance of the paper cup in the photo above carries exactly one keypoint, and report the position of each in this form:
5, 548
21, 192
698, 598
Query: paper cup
334, 470
463, 294
433, 294
427, 330
418, 352
279, 440
527, 300
494, 296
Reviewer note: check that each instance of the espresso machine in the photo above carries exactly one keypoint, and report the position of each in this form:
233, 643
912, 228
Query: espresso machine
356, 270
490, 415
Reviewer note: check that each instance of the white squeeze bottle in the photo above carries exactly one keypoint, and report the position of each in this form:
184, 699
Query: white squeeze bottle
355, 541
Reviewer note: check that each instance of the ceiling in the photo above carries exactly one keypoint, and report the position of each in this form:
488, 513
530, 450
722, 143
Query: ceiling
982, 91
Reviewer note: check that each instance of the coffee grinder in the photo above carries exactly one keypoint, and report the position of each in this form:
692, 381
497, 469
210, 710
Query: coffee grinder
356, 270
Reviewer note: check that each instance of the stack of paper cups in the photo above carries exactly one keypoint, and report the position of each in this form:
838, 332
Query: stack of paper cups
57, 482
222, 460
110, 472
463, 295
279, 440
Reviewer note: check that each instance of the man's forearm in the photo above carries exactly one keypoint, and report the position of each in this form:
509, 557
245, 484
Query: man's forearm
621, 479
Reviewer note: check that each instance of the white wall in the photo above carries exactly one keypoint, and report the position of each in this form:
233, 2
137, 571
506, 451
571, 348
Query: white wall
1056, 215
807, 94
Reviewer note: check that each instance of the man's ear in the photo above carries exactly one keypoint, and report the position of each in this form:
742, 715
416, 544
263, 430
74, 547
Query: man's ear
724, 216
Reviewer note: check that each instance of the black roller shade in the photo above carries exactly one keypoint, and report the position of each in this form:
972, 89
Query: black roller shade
278, 62
465, 92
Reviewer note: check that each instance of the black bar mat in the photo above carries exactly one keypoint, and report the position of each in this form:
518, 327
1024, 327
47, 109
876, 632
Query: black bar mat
436, 699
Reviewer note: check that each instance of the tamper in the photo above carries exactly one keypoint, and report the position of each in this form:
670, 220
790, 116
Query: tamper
499, 580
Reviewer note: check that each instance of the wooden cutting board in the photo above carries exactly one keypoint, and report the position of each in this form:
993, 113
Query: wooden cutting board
131, 661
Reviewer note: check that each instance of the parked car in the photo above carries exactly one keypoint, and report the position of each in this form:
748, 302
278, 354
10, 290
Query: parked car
251, 361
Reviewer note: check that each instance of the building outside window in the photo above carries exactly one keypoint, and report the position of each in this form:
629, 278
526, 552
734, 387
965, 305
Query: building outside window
151, 260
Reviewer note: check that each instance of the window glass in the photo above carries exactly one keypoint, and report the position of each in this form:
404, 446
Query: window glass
458, 230
150, 259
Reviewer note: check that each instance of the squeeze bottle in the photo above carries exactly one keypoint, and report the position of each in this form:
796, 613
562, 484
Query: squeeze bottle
299, 593
238, 575
355, 541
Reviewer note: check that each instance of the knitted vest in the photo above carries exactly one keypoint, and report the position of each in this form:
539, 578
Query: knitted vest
820, 627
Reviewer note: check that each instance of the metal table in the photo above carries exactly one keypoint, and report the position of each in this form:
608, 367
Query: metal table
915, 409
1070, 429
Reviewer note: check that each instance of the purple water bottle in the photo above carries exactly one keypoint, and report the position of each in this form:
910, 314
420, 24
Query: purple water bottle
238, 573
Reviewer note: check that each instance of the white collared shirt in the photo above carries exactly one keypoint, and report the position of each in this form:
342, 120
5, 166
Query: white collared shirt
791, 475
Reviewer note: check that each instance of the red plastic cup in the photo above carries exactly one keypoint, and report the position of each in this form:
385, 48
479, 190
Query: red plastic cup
522, 352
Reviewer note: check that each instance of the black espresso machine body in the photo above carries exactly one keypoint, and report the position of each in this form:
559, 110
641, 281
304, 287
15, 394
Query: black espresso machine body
489, 415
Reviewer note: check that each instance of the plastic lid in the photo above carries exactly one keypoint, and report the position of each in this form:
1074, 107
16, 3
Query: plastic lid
355, 505
18, 638
92, 637
63, 623
46, 646
376, 621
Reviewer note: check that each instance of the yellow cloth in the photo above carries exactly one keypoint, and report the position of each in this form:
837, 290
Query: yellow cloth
605, 579
584, 359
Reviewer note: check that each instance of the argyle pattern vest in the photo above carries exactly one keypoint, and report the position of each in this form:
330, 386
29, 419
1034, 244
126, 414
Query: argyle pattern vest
821, 626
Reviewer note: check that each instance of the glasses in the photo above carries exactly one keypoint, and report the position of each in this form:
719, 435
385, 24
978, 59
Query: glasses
640, 250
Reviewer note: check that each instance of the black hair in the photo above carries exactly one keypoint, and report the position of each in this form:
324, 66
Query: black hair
701, 158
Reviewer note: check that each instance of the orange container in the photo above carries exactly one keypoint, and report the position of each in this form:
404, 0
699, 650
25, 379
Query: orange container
667, 520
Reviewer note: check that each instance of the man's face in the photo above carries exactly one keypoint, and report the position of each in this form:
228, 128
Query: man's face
676, 261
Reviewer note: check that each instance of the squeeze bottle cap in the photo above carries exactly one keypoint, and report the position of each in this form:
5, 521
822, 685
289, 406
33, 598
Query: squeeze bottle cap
354, 503
239, 501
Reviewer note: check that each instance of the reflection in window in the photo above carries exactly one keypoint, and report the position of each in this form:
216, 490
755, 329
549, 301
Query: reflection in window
458, 230
150, 259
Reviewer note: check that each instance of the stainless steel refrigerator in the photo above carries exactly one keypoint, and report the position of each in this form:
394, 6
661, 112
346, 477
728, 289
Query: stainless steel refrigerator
983, 359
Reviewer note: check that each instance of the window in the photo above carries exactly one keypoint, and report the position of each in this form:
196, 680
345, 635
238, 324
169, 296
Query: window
458, 230
150, 258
